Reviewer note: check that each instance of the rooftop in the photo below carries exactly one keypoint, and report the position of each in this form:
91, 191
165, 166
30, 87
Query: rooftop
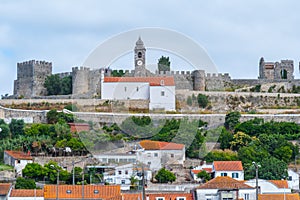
18, 155
228, 166
153, 81
224, 183
294, 196
280, 183
27, 193
157, 145
4, 188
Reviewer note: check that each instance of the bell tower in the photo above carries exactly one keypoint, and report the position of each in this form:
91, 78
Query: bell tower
140, 58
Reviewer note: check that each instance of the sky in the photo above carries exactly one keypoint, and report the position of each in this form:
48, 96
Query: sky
234, 33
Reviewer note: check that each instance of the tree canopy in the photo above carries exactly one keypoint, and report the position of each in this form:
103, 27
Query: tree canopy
164, 64
165, 176
56, 85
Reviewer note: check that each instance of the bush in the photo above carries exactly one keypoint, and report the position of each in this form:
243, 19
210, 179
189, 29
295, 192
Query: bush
165, 176
189, 101
202, 100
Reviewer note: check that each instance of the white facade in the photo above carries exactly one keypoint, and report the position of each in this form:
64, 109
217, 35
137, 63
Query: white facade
125, 90
18, 164
162, 97
123, 174
156, 159
238, 175
216, 194
197, 169
267, 187
293, 180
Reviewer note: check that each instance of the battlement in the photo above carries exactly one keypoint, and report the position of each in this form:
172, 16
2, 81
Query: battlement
75, 69
169, 73
219, 75
64, 74
34, 62
287, 61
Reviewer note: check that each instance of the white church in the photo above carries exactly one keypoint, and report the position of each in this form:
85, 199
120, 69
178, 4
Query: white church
160, 91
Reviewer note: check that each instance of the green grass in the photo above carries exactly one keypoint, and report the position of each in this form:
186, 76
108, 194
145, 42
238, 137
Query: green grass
5, 167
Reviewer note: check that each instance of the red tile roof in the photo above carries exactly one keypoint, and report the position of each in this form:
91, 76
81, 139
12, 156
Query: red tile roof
132, 196
228, 166
90, 192
156, 145
196, 171
294, 196
78, 127
224, 182
18, 155
153, 81
4, 188
280, 183
26, 193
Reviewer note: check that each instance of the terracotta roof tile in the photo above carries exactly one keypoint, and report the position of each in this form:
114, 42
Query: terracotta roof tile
224, 182
132, 196
294, 196
90, 191
26, 193
18, 155
228, 166
157, 145
4, 188
153, 81
280, 183
196, 171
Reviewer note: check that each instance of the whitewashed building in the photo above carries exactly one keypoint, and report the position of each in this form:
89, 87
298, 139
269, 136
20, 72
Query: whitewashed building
159, 91
270, 186
17, 159
122, 174
233, 169
225, 188
293, 180
204, 167
156, 154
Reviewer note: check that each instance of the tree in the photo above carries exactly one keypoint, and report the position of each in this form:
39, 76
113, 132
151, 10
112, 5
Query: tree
231, 120
204, 176
240, 139
164, 64
25, 183
4, 133
225, 139
165, 176
17, 127
220, 155
202, 100
66, 85
34, 171
53, 84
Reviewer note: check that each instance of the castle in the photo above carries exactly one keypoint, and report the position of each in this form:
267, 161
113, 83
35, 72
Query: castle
86, 82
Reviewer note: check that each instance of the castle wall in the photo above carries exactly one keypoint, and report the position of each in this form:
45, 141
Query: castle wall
80, 80
41, 70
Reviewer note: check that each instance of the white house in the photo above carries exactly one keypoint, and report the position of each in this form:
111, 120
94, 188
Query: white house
159, 91
293, 180
233, 169
270, 186
26, 194
122, 174
225, 188
17, 159
204, 167
156, 154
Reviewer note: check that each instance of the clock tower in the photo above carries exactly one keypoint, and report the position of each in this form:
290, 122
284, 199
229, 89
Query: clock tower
139, 58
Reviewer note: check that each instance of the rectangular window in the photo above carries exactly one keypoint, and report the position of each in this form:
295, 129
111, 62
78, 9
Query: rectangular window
235, 175
172, 155
160, 198
223, 174
246, 196
125, 89
119, 172
126, 172
148, 154
155, 154
162, 93
122, 182
180, 198
149, 163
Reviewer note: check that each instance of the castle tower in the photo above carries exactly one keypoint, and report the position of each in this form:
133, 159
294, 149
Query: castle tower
31, 76
140, 58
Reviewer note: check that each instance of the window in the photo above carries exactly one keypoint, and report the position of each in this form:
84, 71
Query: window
162, 93
18, 161
125, 89
126, 171
149, 163
223, 174
148, 154
160, 198
155, 154
119, 172
290, 178
172, 155
69, 191
235, 175
180, 198
122, 182
137, 89
246, 196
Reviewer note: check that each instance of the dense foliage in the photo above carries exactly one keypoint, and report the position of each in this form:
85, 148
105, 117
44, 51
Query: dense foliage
164, 176
164, 64
24, 183
56, 85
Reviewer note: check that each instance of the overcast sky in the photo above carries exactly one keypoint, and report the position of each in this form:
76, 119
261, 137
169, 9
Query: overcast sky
235, 33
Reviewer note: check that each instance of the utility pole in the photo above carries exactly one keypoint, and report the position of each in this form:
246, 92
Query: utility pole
143, 182
256, 177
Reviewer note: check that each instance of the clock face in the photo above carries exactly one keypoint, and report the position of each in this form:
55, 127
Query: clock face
139, 62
